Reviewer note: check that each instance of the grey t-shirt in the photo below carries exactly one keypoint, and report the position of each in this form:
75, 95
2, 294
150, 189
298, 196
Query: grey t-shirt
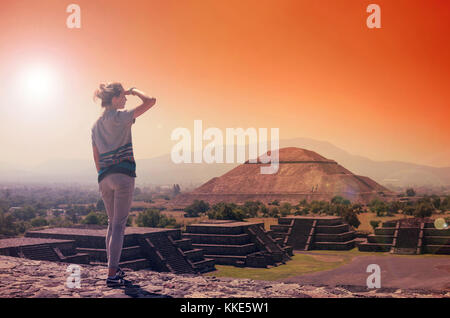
111, 134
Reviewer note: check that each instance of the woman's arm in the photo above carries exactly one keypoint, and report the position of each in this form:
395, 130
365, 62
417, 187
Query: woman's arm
96, 157
148, 102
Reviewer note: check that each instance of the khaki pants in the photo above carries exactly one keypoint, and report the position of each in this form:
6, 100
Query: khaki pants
117, 192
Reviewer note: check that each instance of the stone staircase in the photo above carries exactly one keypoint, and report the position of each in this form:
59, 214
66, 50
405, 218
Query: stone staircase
314, 233
408, 236
264, 240
236, 243
39, 252
43, 249
151, 248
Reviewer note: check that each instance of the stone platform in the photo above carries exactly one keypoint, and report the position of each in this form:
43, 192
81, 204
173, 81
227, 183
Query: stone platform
24, 278
43, 249
408, 236
237, 243
143, 247
314, 233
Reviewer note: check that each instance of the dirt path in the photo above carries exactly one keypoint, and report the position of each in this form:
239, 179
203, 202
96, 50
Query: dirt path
397, 271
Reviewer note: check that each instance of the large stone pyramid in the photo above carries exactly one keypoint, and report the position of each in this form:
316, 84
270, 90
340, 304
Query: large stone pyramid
302, 174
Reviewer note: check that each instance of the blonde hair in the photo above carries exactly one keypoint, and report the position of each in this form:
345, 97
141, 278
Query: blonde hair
107, 91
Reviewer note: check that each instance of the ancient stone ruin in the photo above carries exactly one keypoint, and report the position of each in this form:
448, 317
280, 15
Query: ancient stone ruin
408, 236
158, 249
314, 233
43, 249
237, 243
302, 174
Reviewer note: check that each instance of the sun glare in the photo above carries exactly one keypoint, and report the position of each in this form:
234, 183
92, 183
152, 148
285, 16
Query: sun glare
37, 83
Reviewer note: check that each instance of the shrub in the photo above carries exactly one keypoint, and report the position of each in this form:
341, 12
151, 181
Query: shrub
226, 211
275, 202
196, 208
340, 200
351, 217
285, 209
265, 211
374, 224
252, 207
37, 222
424, 209
96, 218
153, 218
274, 212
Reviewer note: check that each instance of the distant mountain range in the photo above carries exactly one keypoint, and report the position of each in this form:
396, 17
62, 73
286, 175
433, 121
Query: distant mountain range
161, 170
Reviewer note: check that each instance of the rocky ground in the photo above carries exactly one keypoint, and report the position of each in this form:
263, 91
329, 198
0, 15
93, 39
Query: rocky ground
27, 278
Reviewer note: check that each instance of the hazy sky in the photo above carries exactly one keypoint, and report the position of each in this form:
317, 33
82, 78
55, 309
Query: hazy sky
311, 68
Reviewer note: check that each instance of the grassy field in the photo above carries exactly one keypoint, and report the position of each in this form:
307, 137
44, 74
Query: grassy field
302, 264
299, 264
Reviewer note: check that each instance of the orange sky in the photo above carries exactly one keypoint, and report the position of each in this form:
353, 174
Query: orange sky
311, 68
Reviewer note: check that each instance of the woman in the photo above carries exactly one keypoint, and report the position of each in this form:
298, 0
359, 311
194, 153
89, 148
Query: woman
114, 160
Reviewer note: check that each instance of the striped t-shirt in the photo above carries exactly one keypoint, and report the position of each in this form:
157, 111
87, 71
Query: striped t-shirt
111, 134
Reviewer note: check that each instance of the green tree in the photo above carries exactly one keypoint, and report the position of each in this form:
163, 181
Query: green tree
38, 222
153, 218
226, 211
340, 200
197, 207
350, 217
374, 224
410, 192
424, 209
96, 218
25, 214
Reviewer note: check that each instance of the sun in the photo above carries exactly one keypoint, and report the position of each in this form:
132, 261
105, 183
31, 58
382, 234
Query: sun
39, 81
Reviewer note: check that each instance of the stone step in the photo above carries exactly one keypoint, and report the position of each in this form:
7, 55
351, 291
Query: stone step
289, 250
386, 239
384, 231
325, 221
40, 252
205, 265
79, 258
436, 249
99, 255
194, 254
436, 232
216, 249
283, 228
285, 221
279, 235
374, 247
237, 239
334, 245
236, 260
436, 240
279, 240
136, 264
332, 229
389, 224
216, 229
184, 243
341, 237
